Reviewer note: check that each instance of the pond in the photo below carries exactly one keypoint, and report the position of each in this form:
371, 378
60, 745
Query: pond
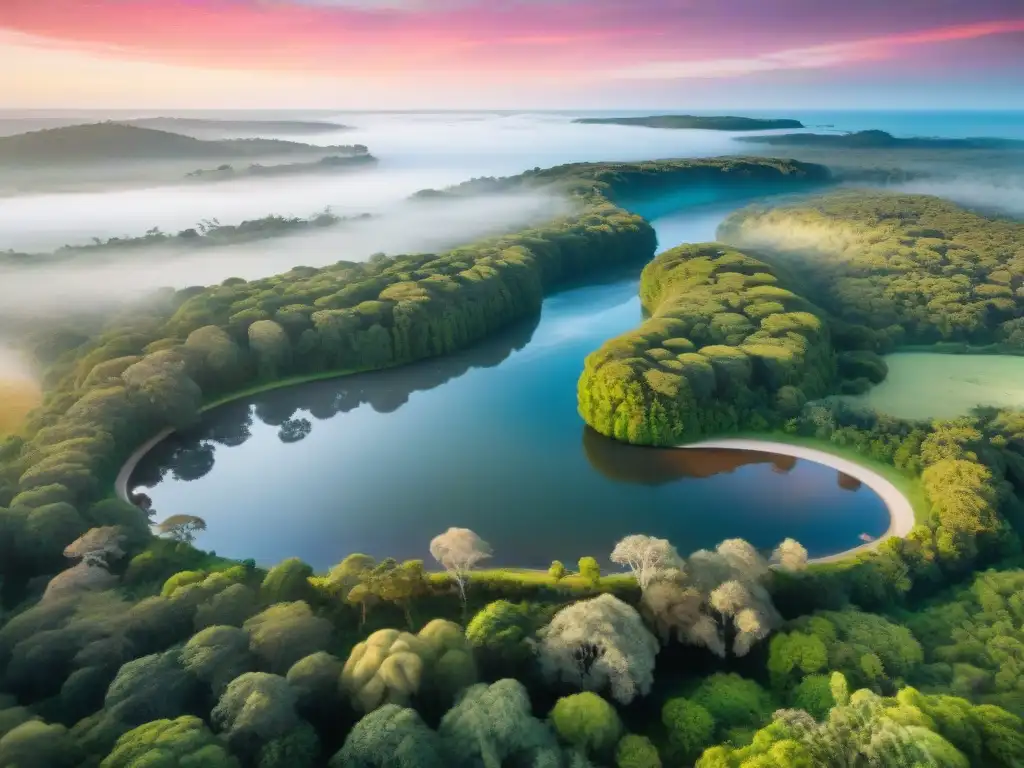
926, 385
488, 439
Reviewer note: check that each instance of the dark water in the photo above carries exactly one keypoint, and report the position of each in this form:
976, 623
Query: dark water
489, 440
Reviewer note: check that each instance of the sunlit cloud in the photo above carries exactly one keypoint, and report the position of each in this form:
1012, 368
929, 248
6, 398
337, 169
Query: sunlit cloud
814, 57
400, 50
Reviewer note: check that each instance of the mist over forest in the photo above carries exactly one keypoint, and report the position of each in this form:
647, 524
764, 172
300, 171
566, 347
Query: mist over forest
416, 151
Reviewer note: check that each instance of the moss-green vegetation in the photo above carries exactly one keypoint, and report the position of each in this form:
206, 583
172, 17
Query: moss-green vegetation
726, 342
704, 122
896, 269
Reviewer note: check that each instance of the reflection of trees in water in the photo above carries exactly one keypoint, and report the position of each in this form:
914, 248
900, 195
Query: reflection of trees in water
294, 430
189, 455
848, 482
655, 466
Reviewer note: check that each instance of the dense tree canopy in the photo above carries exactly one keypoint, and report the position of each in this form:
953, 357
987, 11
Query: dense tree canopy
118, 648
726, 339
897, 269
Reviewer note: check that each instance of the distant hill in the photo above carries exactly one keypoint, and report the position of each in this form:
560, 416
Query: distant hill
269, 126
878, 140
106, 142
705, 122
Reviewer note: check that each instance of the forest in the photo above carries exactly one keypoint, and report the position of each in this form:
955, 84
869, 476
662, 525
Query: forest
209, 232
878, 140
122, 644
896, 269
359, 158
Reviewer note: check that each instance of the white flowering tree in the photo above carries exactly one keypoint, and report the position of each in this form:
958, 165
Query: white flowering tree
599, 643
718, 599
646, 557
459, 550
790, 555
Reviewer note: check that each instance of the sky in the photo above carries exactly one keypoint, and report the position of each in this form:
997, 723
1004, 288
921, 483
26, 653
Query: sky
512, 54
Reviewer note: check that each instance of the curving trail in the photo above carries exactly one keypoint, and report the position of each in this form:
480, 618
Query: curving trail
901, 513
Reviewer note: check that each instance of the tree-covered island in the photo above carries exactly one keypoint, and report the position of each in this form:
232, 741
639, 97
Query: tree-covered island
879, 140
701, 122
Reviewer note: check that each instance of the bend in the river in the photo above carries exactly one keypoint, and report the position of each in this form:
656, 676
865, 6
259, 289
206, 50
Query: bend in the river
489, 438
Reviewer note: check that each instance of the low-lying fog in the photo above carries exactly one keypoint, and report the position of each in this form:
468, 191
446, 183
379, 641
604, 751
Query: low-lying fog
416, 151
406, 227
1005, 195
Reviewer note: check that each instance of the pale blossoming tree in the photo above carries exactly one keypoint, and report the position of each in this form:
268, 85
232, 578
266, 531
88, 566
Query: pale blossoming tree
459, 550
598, 643
790, 555
718, 600
646, 556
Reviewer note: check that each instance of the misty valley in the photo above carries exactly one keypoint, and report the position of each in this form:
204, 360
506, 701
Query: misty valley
511, 439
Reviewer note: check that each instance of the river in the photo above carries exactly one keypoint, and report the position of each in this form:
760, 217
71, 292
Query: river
490, 440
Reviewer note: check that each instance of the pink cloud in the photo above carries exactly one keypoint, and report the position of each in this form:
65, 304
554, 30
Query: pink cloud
817, 56
475, 39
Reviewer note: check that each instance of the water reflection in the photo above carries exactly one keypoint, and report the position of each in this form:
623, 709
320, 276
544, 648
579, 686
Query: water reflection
655, 466
643, 465
189, 455
381, 463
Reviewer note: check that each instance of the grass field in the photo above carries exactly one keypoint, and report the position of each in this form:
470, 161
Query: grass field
926, 385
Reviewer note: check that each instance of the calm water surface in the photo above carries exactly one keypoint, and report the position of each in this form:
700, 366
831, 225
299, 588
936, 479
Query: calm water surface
490, 440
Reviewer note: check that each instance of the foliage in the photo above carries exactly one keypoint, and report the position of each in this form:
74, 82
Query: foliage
636, 752
390, 737
391, 666
725, 334
714, 596
255, 709
587, 722
598, 643
896, 268
689, 726
178, 743
493, 725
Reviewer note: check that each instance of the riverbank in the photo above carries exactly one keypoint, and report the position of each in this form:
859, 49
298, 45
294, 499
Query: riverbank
903, 514
125, 473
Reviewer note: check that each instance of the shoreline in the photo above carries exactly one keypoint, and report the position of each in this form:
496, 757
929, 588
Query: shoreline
901, 511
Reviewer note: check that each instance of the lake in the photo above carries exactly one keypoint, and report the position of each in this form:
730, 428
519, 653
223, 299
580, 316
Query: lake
926, 385
490, 440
